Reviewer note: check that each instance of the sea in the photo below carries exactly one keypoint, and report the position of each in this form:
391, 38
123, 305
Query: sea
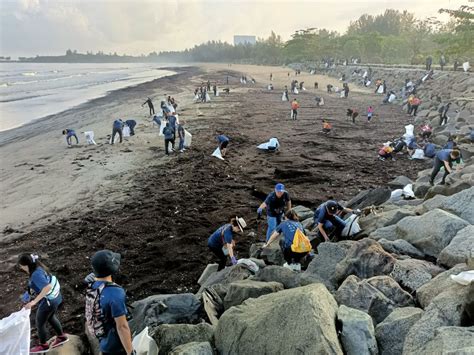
30, 91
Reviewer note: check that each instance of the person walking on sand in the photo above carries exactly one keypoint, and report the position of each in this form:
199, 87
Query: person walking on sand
46, 289
116, 336
444, 158
222, 241
169, 138
223, 142
150, 106
117, 128
181, 135
276, 203
294, 109
69, 134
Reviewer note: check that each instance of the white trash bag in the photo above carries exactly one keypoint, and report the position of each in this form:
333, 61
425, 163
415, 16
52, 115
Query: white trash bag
144, 344
162, 127
466, 66
464, 278
15, 333
380, 89
188, 137
392, 98
217, 153
352, 226
342, 94
273, 144
90, 137
126, 131
418, 154
249, 264
283, 97
407, 192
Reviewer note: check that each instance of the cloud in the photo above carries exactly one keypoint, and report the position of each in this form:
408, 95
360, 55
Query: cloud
30, 27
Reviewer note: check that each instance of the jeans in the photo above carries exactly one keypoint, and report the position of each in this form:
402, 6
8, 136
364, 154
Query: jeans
114, 132
46, 312
220, 255
294, 114
69, 139
181, 144
272, 223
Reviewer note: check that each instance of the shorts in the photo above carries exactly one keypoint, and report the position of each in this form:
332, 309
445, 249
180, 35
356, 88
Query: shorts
224, 144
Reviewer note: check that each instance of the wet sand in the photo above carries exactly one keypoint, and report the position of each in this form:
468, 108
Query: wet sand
158, 211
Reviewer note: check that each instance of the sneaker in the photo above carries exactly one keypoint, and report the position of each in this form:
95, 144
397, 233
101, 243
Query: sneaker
431, 183
40, 349
60, 340
442, 183
181, 151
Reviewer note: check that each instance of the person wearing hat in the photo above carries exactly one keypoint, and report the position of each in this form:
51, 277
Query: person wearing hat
222, 242
48, 297
276, 203
326, 217
118, 338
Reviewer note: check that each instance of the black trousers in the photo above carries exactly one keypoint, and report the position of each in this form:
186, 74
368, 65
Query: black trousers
46, 313
114, 132
152, 110
294, 114
290, 256
221, 256
442, 118
437, 165
167, 141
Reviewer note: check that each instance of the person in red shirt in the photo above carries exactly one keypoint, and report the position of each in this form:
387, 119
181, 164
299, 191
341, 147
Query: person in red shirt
294, 109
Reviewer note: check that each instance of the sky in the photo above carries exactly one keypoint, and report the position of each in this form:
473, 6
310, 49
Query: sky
50, 27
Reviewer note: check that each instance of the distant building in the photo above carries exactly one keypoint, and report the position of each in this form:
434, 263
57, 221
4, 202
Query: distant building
244, 40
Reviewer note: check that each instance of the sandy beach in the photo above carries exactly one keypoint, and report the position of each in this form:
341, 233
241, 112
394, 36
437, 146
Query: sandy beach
158, 211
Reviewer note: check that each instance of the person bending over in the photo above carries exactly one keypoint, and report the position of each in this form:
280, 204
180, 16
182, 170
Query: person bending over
444, 158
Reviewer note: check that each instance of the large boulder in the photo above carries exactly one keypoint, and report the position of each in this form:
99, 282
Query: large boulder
303, 318
357, 333
323, 267
450, 340
220, 280
272, 255
459, 204
303, 212
193, 348
446, 309
208, 271
388, 233
239, 291
431, 232
392, 331
365, 259
448, 189
399, 182
411, 274
169, 336
439, 284
461, 248
74, 346
368, 198
400, 247
372, 222
377, 296
283, 275
164, 309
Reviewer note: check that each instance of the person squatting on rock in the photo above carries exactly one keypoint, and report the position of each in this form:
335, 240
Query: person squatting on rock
222, 241
294, 109
327, 216
288, 228
111, 327
276, 203
47, 296
69, 133
150, 106
117, 128
444, 158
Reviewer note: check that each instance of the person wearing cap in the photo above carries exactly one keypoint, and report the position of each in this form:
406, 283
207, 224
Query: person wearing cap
223, 143
288, 229
222, 242
276, 203
118, 338
48, 297
326, 217
444, 158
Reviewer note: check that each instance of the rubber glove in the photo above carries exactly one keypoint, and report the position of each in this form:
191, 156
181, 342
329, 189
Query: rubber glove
259, 212
357, 212
89, 278
25, 298
234, 260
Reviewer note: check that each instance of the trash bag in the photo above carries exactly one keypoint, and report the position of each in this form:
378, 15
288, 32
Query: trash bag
126, 131
392, 98
342, 94
380, 89
15, 333
188, 137
162, 127
409, 130
464, 278
283, 97
144, 344
217, 153
352, 226
90, 137
408, 193
208, 98
249, 264
272, 144
418, 154
466, 66
295, 91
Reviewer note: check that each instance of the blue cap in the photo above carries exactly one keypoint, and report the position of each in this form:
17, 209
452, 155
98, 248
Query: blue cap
280, 188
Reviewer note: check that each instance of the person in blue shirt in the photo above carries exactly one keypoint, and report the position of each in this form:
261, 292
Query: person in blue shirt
326, 217
276, 203
181, 135
69, 134
429, 150
444, 158
118, 338
117, 128
223, 142
169, 138
48, 298
288, 229
131, 124
451, 143
222, 242
172, 122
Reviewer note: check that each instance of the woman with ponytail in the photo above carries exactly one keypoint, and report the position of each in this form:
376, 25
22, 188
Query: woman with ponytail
47, 296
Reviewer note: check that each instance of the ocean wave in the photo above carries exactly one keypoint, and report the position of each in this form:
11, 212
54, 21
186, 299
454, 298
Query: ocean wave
29, 73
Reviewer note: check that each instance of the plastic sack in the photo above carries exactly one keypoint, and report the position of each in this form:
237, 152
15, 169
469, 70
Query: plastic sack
367, 84
342, 94
249, 264
295, 91
409, 130
90, 137
396, 195
464, 278
407, 191
217, 153
208, 98
188, 137
15, 333
162, 127
272, 143
352, 226
144, 344
380, 89
418, 154
126, 131
392, 98
466, 66
283, 97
